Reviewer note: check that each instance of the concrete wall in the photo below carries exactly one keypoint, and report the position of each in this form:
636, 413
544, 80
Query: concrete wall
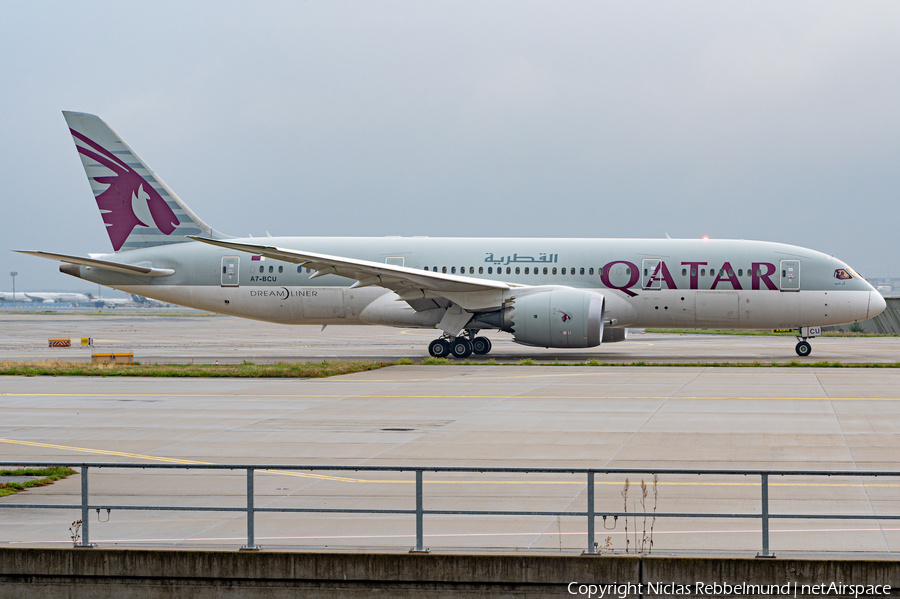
123, 574
886, 323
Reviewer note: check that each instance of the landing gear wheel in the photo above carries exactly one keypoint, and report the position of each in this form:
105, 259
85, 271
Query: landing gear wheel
461, 348
803, 349
439, 348
481, 345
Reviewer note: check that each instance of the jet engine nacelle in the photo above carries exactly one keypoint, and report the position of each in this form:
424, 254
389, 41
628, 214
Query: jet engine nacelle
556, 317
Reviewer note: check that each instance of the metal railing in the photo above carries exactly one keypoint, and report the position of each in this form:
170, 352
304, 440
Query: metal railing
764, 515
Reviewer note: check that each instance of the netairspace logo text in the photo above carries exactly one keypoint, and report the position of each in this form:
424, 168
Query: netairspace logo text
791, 589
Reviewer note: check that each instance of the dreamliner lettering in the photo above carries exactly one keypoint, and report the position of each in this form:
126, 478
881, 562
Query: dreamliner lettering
127, 195
283, 293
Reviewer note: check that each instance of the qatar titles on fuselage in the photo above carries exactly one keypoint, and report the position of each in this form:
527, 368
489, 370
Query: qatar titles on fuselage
545, 292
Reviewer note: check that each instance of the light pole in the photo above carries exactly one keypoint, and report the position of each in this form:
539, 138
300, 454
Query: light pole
14, 274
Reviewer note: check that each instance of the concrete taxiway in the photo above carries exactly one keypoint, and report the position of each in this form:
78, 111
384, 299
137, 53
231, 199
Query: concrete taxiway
530, 416
165, 338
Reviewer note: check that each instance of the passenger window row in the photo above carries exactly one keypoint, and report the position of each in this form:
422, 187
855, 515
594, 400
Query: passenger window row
712, 272
262, 268
579, 271
536, 270
519, 270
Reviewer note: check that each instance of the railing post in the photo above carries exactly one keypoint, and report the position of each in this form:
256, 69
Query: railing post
420, 544
590, 514
765, 516
251, 535
85, 538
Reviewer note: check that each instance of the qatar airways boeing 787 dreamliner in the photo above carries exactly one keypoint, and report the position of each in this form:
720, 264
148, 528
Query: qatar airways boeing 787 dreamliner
560, 293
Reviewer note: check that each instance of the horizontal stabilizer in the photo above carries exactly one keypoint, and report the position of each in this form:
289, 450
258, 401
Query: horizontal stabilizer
128, 269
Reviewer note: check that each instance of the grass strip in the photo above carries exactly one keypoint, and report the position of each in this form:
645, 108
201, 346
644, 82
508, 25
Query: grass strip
305, 370
530, 362
48, 477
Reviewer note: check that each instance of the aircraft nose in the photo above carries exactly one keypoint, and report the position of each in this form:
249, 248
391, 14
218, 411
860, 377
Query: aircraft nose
876, 304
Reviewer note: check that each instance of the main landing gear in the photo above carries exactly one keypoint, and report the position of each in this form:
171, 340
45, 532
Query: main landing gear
459, 347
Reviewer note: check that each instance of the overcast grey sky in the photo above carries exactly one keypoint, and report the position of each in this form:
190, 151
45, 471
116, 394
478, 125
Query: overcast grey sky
757, 120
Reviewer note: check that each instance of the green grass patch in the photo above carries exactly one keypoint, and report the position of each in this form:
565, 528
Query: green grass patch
246, 370
48, 477
795, 363
789, 364
308, 370
436, 361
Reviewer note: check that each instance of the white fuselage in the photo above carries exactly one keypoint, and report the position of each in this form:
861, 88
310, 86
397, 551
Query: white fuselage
663, 309
646, 283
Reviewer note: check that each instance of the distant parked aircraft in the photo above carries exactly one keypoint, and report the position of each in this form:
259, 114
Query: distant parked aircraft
144, 302
561, 293
111, 302
132, 300
45, 296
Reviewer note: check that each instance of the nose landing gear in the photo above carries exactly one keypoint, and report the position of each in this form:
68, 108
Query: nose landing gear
803, 348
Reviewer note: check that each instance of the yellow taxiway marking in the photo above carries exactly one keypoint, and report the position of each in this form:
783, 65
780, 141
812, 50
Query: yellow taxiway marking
139, 456
435, 482
102, 452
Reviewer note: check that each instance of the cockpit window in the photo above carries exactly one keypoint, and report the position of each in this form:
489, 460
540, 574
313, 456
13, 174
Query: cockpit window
842, 274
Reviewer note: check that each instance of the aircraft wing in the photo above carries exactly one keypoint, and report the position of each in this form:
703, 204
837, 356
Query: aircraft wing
421, 289
128, 269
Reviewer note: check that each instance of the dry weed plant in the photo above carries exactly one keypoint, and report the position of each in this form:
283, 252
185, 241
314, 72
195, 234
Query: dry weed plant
75, 532
625, 501
644, 542
559, 532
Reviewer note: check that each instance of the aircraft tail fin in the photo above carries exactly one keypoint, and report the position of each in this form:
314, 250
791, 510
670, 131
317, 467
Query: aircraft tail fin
138, 208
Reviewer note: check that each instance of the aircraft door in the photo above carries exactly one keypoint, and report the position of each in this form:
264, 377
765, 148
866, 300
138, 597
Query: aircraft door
231, 267
790, 275
650, 278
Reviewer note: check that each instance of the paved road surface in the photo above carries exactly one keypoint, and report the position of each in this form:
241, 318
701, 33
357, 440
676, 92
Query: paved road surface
204, 339
651, 417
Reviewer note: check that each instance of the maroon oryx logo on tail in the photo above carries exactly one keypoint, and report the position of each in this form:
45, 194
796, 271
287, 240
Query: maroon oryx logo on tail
128, 195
